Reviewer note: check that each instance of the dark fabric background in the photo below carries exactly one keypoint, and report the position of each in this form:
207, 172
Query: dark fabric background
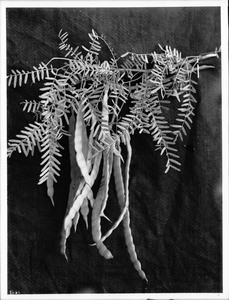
175, 217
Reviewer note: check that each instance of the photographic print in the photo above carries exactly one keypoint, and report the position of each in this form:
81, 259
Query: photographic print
114, 151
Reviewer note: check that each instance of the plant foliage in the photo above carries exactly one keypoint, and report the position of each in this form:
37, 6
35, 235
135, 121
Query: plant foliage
99, 105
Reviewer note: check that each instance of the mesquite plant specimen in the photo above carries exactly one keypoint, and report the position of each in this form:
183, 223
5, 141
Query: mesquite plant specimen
99, 105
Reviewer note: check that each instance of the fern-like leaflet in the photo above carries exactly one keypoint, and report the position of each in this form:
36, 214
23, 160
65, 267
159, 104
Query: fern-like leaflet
50, 148
27, 140
186, 110
17, 78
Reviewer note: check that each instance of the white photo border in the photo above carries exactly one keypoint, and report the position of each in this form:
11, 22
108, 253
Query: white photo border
3, 145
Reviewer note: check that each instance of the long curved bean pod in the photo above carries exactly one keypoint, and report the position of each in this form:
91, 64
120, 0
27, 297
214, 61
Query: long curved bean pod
75, 181
109, 163
131, 247
75, 218
74, 168
95, 218
97, 208
102, 195
127, 168
120, 191
121, 194
79, 142
108, 154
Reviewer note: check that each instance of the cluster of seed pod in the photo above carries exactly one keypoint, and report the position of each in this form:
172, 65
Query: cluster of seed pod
81, 194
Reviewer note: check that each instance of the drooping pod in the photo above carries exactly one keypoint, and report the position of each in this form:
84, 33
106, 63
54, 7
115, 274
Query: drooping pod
74, 168
84, 191
98, 208
116, 162
123, 195
102, 195
80, 167
50, 189
80, 143
84, 210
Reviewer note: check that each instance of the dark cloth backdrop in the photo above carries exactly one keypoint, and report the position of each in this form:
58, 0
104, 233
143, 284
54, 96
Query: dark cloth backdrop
175, 217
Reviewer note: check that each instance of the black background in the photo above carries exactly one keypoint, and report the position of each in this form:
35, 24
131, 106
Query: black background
175, 217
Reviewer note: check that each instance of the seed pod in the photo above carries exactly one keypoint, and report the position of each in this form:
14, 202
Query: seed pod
123, 196
103, 251
83, 191
80, 145
99, 200
50, 189
84, 210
